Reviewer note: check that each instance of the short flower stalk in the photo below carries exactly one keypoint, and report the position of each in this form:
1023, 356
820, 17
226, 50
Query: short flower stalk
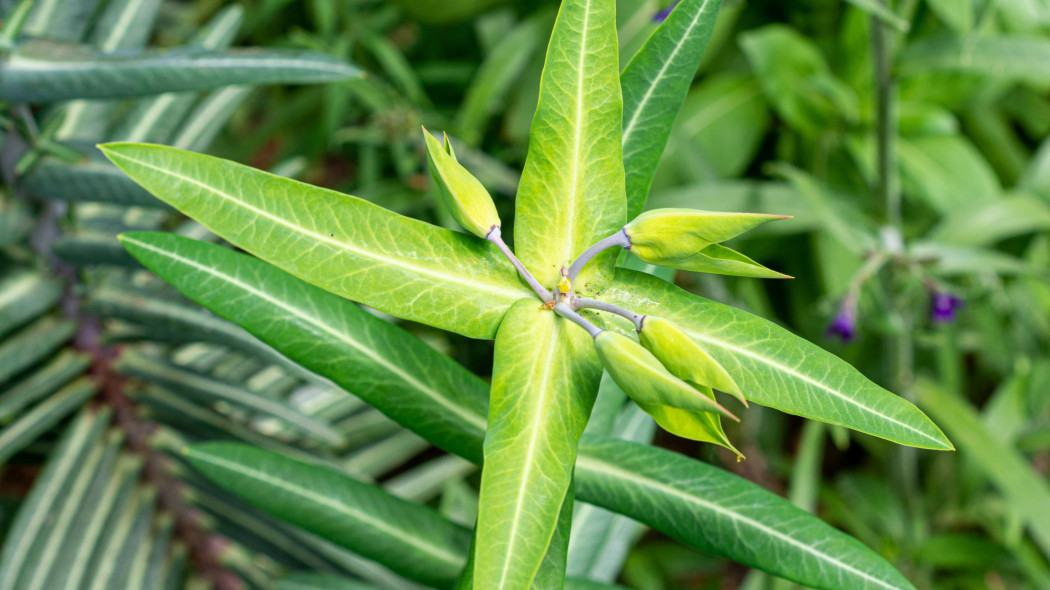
665, 371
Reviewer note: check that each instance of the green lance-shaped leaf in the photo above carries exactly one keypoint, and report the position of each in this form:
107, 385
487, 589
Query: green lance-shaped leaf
89, 180
684, 357
463, 195
572, 187
775, 368
1004, 57
328, 335
427, 392
721, 514
413, 539
40, 71
341, 243
662, 236
545, 378
645, 380
655, 84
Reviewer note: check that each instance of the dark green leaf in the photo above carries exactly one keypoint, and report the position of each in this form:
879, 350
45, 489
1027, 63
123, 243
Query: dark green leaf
40, 71
411, 538
329, 335
655, 83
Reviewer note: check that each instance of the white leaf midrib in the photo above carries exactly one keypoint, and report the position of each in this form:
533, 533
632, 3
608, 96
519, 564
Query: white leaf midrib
472, 418
629, 128
467, 283
338, 507
519, 500
836, 393
596, 465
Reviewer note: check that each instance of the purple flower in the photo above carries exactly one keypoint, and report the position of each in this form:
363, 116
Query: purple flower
943, 307
661, 16
844, 325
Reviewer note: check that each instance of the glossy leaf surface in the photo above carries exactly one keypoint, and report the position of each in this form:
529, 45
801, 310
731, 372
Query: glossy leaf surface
545, 378
722, 514
329, 335
655, 84
412, 538
775, 368
572, 188
344, 244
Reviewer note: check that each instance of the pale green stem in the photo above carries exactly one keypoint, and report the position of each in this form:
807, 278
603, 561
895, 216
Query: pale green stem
619, 238
495, 237
566, 312
582, 303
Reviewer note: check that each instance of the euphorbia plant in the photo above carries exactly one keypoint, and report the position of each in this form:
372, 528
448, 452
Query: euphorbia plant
593, 150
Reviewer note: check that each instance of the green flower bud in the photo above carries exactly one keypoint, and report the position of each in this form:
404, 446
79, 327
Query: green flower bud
699, 426
719, 260
685, 358
665, 236
645, 380
468, 201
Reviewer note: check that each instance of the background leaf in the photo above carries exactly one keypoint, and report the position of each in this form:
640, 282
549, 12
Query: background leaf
39, 71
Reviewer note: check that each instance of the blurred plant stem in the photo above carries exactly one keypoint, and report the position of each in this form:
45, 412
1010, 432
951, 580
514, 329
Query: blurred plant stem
900, 347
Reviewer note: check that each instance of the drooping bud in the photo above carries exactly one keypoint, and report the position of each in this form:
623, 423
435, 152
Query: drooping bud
688, 239
645, 380
463, 195
685, 358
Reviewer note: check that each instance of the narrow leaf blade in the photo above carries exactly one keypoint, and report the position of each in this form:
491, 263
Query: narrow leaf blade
545, 378
410, 538
655, 84
340, 243
572, 188
719, 513
39, 71
778, 369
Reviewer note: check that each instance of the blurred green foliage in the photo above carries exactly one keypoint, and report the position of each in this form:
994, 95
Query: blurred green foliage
783, 117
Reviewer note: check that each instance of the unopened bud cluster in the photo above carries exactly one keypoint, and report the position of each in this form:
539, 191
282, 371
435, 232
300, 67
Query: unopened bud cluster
667, 372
